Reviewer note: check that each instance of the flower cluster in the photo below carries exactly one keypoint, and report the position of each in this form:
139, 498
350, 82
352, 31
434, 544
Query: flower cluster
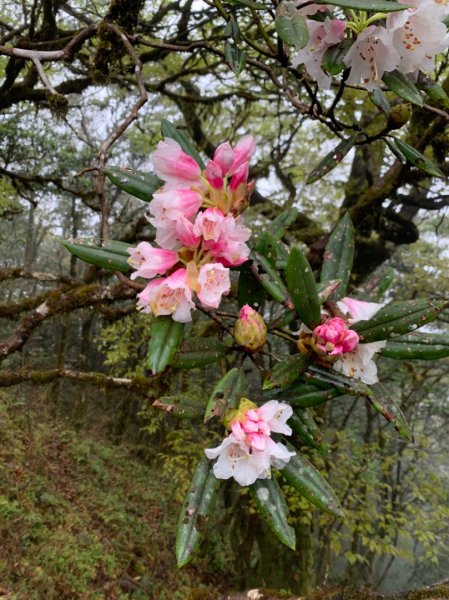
249, 452
199, 229
336, 343
406, 40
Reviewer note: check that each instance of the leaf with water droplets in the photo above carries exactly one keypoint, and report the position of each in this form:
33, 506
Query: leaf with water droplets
270, 503
338, 257
331, 160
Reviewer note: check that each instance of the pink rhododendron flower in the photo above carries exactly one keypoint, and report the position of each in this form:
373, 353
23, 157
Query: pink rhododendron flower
321, 37
230, 246
359, 363
418, 35
249, 452
174, 166
214, 281
150, 261
370, 56
334, 337
209, 224
168, 296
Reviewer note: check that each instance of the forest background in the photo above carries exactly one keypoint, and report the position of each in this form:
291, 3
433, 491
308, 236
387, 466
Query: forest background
91, 473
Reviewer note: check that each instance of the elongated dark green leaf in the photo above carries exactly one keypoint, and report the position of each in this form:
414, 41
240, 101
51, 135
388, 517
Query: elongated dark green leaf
170, 131
138, 184
195, 511
250, 291
333, 62
368, 5
395, 150
179, 406
309, 482
279, 225
373, 289
398, 318
198, 352
166, 336
305, 428
266, 245
304, 395
302, 288
344, 384
226, 394
284, 319
417, 159
287, 371
94, 255
235, 58
422, 346
270, 280
379, 99
432, 89
332, 159
249, 4
338, 256
401, 85
291, 26
384, 405
271, 504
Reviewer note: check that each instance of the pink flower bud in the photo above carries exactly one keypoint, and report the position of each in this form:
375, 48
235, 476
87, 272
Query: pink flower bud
214, 175
250, 330
334, 337
224, 157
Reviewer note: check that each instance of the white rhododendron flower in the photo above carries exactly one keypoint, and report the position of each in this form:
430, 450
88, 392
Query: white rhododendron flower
249, 452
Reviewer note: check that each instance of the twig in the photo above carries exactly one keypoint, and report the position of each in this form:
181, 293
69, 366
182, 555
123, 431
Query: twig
129, 282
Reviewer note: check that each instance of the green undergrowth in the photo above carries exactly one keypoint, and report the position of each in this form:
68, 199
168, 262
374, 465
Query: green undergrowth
83, 519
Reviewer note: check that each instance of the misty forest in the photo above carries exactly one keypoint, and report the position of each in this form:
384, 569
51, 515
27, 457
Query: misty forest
224, 238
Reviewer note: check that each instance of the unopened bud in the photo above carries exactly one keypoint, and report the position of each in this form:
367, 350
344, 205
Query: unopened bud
399, 116
250, 330
238, 414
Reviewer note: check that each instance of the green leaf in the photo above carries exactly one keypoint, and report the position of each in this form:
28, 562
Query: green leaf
198, 352
304, 395
384, 405
270, 280
308, 481
432, 89
250, 291
374, 288
271, 504
344, 384
333, 62
286, 372
266, 245
226, 394
417, 159
235, 58
332, 159
305, 428
166, 336
195, 511
398, 318
170, 131
138, 184
105, 258
249, 4
368, 5
279, 225
338, 256
302, 288
179, 406
392, 146
283, 319
291, 26
401, 85
379, 99
422, 346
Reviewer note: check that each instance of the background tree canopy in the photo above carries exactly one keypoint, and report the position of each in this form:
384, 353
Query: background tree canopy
86, 85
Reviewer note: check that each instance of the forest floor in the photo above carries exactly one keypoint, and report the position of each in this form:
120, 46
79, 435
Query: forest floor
84, 519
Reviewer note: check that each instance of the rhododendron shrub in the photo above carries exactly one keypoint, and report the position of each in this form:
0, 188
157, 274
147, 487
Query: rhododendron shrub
288, 336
